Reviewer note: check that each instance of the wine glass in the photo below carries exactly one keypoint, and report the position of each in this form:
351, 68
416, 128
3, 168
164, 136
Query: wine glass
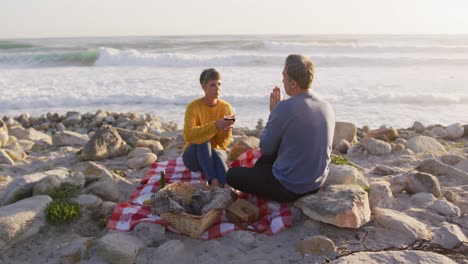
230, 116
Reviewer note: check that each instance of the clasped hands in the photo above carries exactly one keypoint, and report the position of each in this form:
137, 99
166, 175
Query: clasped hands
275, 97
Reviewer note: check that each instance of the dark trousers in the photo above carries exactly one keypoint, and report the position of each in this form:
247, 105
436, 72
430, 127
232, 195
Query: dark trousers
260, 180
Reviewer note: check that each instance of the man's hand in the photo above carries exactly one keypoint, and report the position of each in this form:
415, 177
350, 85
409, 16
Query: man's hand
275, 97
223, 124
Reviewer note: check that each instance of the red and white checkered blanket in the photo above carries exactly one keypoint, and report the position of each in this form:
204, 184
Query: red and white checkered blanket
274, 216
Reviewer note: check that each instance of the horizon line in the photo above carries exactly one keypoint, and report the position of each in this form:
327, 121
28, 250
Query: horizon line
239, 34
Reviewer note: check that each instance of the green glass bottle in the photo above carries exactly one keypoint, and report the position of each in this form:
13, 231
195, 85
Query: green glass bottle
162, 180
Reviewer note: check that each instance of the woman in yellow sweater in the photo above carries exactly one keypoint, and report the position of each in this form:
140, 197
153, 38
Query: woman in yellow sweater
207, 133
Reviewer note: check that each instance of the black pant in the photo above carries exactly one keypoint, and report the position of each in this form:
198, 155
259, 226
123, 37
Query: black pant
260, 180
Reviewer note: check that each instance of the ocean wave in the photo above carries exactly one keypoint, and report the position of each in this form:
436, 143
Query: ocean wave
9, 45
71, 58
132, 57
366, 47
106, 56
72, 102
123, 99
239, 100
416, 99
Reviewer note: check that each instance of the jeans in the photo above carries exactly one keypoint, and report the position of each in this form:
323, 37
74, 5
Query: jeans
212, 162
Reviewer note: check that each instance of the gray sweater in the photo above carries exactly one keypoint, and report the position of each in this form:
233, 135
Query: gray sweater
300, 130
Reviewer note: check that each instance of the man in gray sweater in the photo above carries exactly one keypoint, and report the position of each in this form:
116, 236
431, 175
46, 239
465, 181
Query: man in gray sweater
296, 143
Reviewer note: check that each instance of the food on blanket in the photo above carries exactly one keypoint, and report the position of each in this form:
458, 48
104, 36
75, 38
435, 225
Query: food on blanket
147, 202
128, 214
242, 212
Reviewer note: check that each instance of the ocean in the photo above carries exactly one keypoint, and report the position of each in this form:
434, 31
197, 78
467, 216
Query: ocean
369, 80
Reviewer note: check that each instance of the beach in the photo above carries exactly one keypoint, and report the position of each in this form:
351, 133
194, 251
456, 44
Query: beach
98, 113
408, 190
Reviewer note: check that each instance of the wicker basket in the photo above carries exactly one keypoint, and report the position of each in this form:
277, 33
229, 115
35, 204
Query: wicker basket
188, 224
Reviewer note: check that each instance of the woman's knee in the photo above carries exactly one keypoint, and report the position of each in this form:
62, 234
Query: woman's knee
189, 157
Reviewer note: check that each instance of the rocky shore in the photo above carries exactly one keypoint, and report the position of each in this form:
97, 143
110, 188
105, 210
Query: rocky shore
392, 195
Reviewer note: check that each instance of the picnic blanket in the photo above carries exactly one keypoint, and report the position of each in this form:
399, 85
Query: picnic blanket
274, 217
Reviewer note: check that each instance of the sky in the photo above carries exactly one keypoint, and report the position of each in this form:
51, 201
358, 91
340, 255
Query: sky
72, 18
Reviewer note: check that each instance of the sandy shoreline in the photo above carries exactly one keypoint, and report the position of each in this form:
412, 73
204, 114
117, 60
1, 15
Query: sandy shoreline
403, 208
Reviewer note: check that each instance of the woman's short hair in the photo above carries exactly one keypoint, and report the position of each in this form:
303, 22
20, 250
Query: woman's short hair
300, 69
209, 74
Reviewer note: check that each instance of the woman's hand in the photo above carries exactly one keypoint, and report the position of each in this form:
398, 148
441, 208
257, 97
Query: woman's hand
275, 97
225, 125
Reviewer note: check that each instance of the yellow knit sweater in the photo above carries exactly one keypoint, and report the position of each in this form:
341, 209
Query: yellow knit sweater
199, 124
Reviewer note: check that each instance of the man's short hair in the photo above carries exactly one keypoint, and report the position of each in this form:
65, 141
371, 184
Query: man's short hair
300, 69
209, 74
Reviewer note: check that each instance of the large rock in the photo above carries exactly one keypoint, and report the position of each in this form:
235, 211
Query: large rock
343, 146
155, 146
72, 118
5, 158
383, 170
22, 220
3, 139
74, 251
418, 127
344, 130
242, 145
454, 177
127, 133
22, 187
394, 257
149, 233
445, 207
462, 165
423, 200
105, 143
141, 161
140, 157
3, 127
455, 131
317, 245
172, 251
380, 195
463, 205
87, 201
339, 205
30, 134
3, 134
452, 159
402, 223
138, 152
377, 147
16, 154
448, 236
104, 183
119, 248
69, 138
423, 182
438, 132
53, 182
422, 144
341, 174
386, 133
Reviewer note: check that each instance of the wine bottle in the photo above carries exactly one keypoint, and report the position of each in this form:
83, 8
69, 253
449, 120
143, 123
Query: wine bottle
162, 180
